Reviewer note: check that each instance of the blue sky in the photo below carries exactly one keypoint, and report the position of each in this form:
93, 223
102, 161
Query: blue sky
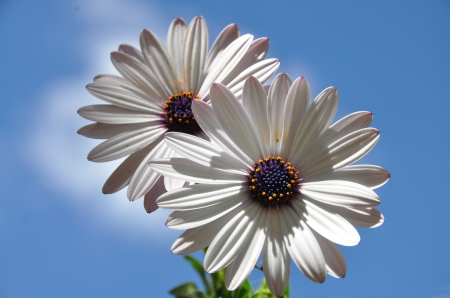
61, 237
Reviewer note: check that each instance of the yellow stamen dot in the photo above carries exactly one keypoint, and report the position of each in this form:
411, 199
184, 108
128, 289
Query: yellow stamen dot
180, 120
175, 115
187, 121
253, 180
253, 187
257, 170
278, 158
292, 181
274, 195
260, 161
281, 195
289, 185
263, 193
270, 198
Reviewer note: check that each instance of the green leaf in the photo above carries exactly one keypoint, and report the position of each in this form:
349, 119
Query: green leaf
185, 290
264, 292
199, 268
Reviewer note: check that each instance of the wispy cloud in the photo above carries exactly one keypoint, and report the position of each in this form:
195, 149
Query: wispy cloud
59, 154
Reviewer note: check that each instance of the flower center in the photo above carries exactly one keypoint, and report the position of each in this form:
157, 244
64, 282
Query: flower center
178, 114
273, 181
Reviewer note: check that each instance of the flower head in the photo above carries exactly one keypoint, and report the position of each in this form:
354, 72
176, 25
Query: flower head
154, 95
276, 178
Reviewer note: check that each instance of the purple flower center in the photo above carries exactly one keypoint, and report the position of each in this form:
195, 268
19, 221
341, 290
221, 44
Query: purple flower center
273, 181
178, 114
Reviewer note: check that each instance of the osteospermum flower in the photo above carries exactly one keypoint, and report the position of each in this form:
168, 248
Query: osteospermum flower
155, 93
277, 178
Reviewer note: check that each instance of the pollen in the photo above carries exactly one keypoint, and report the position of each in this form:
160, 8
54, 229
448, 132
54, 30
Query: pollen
272, 181
178, 114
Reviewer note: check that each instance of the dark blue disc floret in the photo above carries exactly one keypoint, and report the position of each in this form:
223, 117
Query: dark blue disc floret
178, 114
273, 181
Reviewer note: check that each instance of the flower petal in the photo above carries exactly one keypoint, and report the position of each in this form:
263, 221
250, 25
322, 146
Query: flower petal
276, 259
122, 175
224, 64
254, 100
182, 168
223, 40
203, 152
318, 117
159, 61
144, 177
234, 121
276, 99
202, 236
234, 237
180, 220
241, 267
106, 131
335, 261
262, 71
111, 114
329, 225
297, 103
150, 197
125, 143
133, 52
364, 217
125, 96
175, 44
199, 196
341, 193
206, 119
302, 245
368, 175
195, 52
341, 153
255, 53
140, 75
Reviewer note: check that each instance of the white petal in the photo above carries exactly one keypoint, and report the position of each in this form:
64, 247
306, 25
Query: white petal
195, 51
206, 119
276, 259
133, 52
254, 100
199, 196
173, 184
227, 36
122, 175
318, 117
150, 197
336, 265
297, 103
234, 237
341, 153
276, 99
222, 66
111, 114
255, 53
358, 216
125, 143
302, 245
202, 236
181, 168
180, 220
341, 193
106, 131
125, 96
144, 178
159, 61
241, 267
203, 152
329, 225
368, 175
234, 121
262, 71
110, 79
140, 75
175, 44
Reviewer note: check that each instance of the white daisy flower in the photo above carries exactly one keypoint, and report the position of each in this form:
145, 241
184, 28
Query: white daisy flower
277, 178
154, 96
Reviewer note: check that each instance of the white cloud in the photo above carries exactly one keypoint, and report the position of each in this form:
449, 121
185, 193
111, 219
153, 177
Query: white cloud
59, 153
